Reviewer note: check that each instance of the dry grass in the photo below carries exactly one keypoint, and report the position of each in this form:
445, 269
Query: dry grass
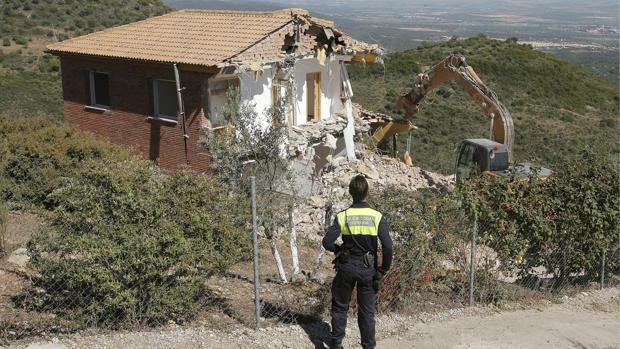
20, 226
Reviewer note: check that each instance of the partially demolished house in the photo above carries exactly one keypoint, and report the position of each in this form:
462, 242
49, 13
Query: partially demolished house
121, 83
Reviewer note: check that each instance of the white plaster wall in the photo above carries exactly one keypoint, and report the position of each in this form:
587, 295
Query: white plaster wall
255, 92
258, 92
330, 88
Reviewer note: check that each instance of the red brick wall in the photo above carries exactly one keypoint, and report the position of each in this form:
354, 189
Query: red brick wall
131, 102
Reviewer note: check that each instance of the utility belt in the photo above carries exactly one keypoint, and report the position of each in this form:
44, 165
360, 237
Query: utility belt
345, 256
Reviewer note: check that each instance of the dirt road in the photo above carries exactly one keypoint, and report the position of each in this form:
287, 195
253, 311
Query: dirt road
587, 321
553, 327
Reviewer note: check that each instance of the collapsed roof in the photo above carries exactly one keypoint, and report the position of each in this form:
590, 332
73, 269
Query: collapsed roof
213, 38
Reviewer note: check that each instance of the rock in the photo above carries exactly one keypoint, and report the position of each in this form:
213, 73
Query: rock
19, 257
330, 141
367, 170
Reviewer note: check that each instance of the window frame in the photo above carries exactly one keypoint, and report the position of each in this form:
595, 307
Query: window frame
228, 81
156, 112
93, 93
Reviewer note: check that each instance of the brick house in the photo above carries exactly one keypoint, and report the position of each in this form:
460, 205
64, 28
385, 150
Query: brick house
120, 83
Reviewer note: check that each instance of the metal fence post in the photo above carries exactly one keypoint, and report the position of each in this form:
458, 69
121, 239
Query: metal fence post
255, 257
472, 267
603, 271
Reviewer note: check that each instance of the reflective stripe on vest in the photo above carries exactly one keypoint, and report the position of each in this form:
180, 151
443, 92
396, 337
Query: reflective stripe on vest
361, 221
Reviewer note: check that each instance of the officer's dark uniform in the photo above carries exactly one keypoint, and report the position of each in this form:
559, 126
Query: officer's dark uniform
360, 227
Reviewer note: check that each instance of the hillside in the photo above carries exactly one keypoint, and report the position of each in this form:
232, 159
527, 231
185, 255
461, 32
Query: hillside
557, 107
29, 78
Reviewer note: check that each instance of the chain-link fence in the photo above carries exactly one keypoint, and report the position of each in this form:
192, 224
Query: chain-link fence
552, 271
202, 267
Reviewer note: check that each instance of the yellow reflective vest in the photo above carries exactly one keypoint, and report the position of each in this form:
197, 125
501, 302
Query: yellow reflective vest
359, 221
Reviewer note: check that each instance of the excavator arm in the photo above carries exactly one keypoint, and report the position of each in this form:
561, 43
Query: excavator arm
456, 69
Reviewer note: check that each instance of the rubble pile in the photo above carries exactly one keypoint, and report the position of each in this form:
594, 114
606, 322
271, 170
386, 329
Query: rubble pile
305, 136
381, 172
320, 145
368, 117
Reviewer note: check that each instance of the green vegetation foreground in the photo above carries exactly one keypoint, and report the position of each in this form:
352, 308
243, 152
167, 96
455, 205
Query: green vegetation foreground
125, 244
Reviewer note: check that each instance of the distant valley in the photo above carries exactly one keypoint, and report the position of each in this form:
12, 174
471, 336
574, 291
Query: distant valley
581, 32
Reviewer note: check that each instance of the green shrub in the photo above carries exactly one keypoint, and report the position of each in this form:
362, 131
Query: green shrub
6, 42
564, 223
426, 227
20, 40
129, 246
36, 153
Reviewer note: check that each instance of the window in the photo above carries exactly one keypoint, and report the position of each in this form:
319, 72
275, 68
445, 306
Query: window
99, 90
466, 164
165, 99
467, 155
220, 87
313, 96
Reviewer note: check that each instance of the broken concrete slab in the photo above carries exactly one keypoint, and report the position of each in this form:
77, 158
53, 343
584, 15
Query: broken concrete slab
304, 181
368, 170
317, 201
330, 141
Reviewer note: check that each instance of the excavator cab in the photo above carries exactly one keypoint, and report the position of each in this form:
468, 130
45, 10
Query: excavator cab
484, 156
481, 155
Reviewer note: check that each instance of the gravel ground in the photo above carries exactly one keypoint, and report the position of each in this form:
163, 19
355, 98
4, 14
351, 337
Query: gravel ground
588, 320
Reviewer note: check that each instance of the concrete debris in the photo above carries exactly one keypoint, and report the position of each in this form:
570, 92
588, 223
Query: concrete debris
330, 141
302, 138
320, 145
370, 116
381, 171
317, 201
306, 136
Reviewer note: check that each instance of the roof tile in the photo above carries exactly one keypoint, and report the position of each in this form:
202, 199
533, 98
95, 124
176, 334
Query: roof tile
200, 37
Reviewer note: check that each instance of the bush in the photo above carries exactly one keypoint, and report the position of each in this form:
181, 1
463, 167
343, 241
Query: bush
426, 227
20, 40
564, 223
129, 246
6, 42
36, 153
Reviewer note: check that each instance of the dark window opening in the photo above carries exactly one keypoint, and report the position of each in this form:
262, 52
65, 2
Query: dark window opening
165, 93
100, 89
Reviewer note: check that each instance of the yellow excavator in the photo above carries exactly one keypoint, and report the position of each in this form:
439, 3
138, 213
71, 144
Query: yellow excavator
490, 156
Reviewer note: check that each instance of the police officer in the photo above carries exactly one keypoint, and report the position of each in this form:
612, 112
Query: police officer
356, 263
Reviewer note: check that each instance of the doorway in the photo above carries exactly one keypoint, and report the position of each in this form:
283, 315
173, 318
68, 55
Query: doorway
313, 96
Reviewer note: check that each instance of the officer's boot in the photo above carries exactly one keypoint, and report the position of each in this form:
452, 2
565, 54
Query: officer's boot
335, 344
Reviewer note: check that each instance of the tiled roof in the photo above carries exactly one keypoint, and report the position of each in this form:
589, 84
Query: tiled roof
199, 37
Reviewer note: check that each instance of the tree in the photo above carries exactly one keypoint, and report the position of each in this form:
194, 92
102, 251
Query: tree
253, 144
